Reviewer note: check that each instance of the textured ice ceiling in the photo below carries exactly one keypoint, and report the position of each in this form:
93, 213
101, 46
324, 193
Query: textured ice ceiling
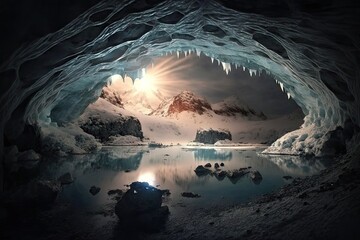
311, 49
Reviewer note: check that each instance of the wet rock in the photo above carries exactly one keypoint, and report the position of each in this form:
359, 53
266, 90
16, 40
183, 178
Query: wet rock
287, 177
166, 192
115, 191
141, 206
256, 177
236, 173
201, 170
94, 190
190, 195
208, 165
222, 164
216, 166
220, 175
66, 178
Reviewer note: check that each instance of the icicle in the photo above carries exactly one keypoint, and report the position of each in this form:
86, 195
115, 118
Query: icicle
185, 53
189, 52
218, 61
288, 95
243, 69
178, 54
152, 65
223, 65
282, 87
198, 52
143, 72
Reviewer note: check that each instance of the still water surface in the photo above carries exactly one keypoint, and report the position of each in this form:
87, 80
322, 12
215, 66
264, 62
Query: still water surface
173, 168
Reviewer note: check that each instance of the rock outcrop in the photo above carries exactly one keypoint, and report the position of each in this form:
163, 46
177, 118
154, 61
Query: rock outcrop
104, 120
211, 136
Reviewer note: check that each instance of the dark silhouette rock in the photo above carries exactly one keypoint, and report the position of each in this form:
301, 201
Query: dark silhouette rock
216, 165
208, 165
201, 170
115, 191
141, 206
94, 190
190, 195
66, 178
287, 177
222, 164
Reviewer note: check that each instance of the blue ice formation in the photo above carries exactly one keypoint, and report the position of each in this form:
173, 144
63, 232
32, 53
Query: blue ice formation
314, 60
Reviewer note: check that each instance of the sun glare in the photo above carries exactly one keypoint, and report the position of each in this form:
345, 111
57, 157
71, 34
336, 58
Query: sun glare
147, 177
146, 83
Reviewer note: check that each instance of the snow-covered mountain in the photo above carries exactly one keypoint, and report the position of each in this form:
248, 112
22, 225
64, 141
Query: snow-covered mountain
132, 98
233, 106
185, 101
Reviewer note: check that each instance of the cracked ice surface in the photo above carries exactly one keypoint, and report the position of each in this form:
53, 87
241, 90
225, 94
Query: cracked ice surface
53, 79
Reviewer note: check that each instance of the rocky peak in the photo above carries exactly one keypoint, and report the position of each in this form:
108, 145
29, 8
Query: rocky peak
188, 101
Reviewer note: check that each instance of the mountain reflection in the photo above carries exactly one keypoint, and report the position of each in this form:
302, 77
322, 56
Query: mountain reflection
212, 154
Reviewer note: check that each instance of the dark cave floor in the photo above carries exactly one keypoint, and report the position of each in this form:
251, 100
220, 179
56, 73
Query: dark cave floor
324, 206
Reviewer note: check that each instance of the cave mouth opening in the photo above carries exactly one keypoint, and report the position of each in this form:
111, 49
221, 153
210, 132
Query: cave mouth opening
177, 95
53, 79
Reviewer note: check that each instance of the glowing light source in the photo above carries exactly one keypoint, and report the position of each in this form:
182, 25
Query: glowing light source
148, 177
146, 83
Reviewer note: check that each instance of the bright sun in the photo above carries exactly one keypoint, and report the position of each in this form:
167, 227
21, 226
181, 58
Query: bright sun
146, 83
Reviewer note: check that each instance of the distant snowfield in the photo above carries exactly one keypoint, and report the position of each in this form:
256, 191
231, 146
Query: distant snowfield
181, 128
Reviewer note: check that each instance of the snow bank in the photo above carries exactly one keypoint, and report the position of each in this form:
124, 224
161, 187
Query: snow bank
69, 139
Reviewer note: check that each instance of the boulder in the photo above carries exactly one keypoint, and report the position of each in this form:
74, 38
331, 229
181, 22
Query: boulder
66, 178
141, 206
287, 177
220, 175
222, 164
115, 191
216, 166
236, 173
208, 165
201, 170
211, 136
94, 190
190, 195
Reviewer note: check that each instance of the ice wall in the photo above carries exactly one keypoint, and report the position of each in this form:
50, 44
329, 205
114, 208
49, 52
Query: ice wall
314, 56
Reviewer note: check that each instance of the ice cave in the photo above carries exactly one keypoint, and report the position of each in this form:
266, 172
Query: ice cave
60, 61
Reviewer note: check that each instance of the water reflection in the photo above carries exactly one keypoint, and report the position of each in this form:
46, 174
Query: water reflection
173, 168
299, 166
212, 154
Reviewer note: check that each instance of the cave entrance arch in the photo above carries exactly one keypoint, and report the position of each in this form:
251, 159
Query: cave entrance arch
59, 74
